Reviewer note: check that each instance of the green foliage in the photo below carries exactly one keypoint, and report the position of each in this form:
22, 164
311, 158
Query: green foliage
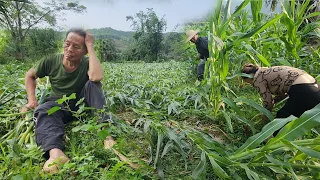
167, 124
21, 16
5, 47
105, 49
172, 133
148, 35
41, 42
174, 46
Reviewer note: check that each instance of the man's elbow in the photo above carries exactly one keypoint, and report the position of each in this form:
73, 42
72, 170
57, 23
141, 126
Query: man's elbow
30, 74
95, 78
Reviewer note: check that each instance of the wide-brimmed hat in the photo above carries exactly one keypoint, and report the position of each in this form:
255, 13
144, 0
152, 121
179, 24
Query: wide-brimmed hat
190, 34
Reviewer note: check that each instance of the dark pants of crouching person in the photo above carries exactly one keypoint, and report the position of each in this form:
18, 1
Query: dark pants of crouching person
50, 128
302, 97
200, 69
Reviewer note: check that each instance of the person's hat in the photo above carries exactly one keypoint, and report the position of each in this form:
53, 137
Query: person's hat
190, 34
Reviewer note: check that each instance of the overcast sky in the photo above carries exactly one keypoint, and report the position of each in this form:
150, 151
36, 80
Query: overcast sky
112, 13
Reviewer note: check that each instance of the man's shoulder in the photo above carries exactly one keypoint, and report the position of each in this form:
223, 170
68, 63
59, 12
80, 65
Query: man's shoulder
204, 38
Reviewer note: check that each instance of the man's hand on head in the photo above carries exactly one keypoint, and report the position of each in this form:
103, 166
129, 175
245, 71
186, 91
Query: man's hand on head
89, 40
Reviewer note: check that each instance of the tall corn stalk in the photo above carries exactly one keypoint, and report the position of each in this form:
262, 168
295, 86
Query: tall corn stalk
221, 42
218, 62
294, 15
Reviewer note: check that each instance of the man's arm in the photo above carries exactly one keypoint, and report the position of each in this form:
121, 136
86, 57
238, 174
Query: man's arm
30, 83
95, 72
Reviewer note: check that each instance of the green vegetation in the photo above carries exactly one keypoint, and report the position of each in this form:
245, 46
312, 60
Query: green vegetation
171, 125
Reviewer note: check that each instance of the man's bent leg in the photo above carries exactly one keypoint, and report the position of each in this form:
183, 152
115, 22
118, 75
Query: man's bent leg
94, 97
49, 135
49, 128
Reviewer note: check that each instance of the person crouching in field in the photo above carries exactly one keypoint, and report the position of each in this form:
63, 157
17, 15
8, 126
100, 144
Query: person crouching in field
202, 48
281, 81
70, 72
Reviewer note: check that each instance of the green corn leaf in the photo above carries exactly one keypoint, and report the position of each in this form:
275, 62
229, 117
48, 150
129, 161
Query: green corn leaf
279, 170
216, 16
236, 12
167, 148
178, 144
159, 143
200, 167
250, 174
228, 121
258, 107
303, 156
299, 127
248, 122
283, 61
312, 15
222, 160
240, 75
217, 169
307, 151
276, 161
146, 125
256, 31
225, 66
232, 104
261, 58
302, 11
265, 133
293, 174
255, 10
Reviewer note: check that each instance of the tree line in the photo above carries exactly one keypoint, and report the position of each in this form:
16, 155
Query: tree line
23, 38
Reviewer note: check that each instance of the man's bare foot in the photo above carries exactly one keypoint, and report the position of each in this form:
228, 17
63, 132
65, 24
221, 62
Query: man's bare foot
57, 158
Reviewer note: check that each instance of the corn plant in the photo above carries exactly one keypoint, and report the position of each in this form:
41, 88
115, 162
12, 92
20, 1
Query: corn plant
221, 43
283, 155
295, 14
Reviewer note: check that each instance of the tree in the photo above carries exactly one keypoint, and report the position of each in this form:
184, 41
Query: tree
148, 34
20, 16
174, 46
41, 42
106, 50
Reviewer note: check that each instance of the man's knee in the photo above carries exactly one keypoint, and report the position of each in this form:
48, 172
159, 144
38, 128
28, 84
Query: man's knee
92, 84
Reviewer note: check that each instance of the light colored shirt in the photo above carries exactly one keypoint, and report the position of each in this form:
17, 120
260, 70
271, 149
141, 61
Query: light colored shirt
274, 81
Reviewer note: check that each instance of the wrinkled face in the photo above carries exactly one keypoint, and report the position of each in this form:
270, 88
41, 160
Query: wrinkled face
74, 47
194, 38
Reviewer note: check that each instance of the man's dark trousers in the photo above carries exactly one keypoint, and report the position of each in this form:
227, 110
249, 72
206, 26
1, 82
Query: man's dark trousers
200, 69
50, 128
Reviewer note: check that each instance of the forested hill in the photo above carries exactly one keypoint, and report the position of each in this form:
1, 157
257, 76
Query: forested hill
120, 37
108, 32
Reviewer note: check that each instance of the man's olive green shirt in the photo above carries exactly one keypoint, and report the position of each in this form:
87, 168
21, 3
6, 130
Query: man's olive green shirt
63, 82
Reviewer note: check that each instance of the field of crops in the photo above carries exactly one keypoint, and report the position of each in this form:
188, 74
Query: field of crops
168, 125
164, 125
